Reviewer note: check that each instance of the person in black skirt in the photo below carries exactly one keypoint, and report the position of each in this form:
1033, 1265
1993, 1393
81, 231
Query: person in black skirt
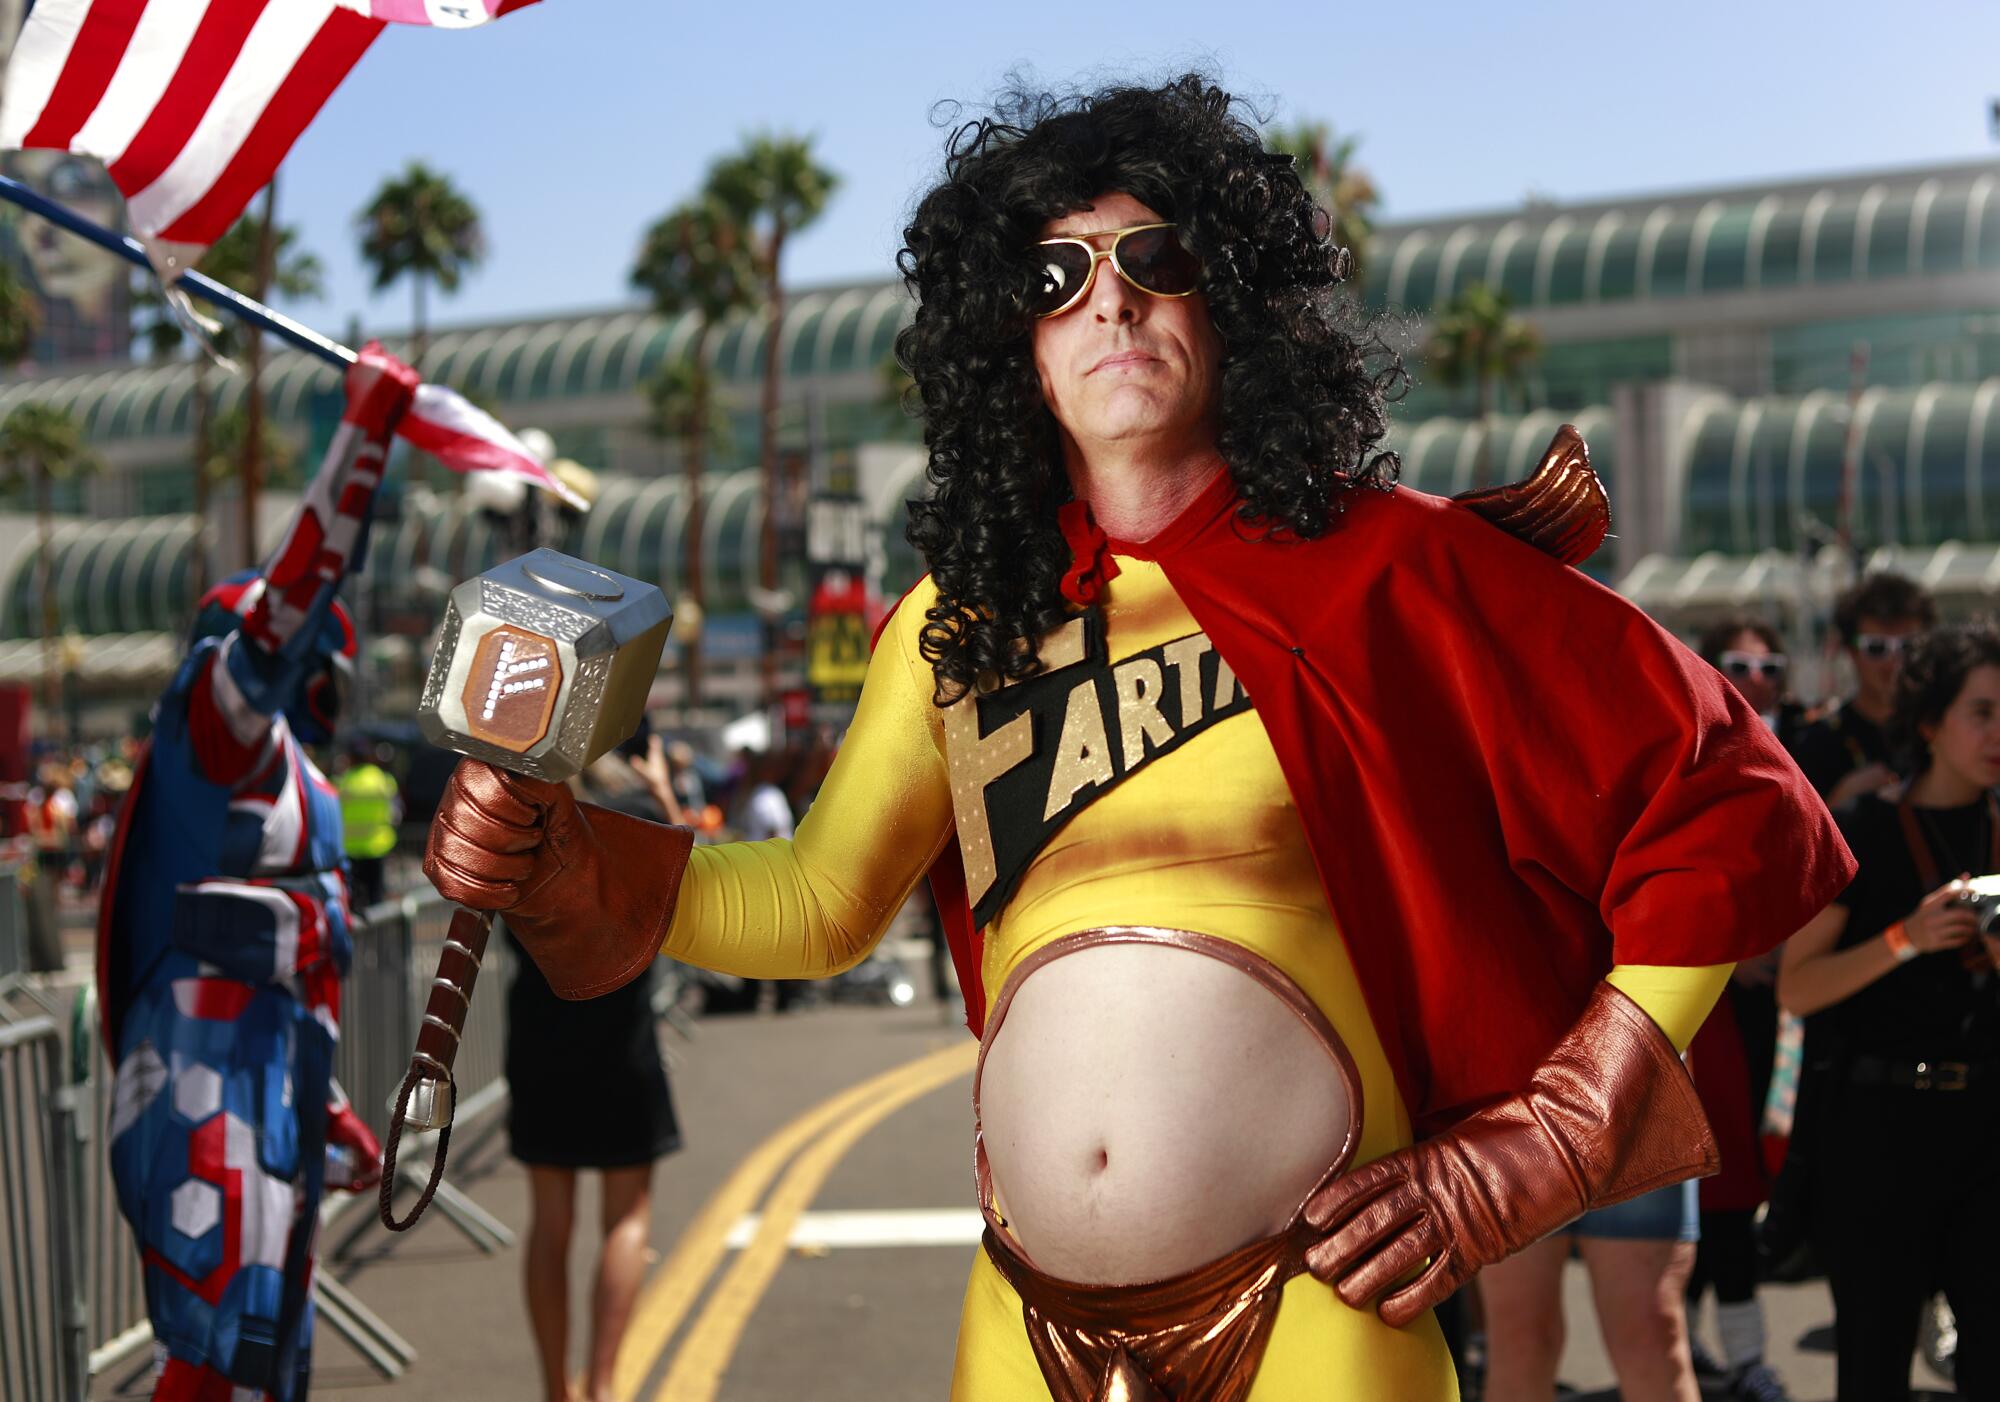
587, 1090
1899, 990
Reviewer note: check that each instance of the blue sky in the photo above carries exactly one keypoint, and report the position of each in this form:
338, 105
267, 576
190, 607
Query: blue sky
574, 123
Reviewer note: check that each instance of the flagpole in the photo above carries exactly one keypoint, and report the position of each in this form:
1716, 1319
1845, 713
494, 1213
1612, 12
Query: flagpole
209, 290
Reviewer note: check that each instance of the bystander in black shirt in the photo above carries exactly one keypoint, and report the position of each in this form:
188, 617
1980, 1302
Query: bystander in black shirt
1934, 1007
1829, 750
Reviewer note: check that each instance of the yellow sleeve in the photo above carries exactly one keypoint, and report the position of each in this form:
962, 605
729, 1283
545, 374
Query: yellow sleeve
814, 904
1676, 998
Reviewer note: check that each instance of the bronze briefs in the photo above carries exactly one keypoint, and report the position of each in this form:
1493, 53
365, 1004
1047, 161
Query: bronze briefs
1200, 1334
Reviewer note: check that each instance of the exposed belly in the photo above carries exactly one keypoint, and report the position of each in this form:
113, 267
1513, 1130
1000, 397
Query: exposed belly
1147, 1109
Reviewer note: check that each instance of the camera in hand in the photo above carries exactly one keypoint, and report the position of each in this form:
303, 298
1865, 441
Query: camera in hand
1982, 897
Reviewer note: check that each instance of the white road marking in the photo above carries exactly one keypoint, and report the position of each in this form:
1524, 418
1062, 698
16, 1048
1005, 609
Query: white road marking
916, 1226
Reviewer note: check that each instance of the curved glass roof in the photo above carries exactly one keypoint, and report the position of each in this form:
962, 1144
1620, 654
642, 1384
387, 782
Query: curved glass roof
1757, 473
1755, 476
838, 331
132, 576
1895, 226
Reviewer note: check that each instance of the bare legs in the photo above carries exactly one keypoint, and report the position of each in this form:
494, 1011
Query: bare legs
1522, 1297
1636, 1286
621, 1268
545, 1272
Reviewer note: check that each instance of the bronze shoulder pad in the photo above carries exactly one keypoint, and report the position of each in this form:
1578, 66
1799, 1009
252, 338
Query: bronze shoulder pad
1561, 509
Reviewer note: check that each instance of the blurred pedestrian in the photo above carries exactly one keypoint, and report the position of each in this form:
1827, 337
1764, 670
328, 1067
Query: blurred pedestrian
1731, 1058
587, 1090
1639, 1254
370, 809
1846, 754
1903, 1008
52, 820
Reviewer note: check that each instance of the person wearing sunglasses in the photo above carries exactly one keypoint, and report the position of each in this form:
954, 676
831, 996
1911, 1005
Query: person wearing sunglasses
1286, 824
1732, 1058
1846, 753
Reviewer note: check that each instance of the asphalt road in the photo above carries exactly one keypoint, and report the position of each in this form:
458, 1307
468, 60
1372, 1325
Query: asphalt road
753, 1319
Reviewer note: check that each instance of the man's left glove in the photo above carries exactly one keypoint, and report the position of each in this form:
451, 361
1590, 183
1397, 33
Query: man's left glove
1611, 1114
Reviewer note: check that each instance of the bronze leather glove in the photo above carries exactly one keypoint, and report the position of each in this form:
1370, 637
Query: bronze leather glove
588, 892
1611, 1114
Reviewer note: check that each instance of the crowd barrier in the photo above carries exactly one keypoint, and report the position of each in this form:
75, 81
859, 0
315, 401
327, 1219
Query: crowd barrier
72, 1301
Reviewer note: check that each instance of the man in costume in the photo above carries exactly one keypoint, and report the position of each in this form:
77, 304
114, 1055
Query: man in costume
222, 940
1347, 871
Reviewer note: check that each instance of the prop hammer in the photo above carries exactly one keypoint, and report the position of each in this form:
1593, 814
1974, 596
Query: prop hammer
543, 664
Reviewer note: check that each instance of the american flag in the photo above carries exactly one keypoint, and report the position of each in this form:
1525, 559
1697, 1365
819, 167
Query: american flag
191, 104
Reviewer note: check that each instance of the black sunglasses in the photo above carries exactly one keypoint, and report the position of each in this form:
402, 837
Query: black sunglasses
1148, 256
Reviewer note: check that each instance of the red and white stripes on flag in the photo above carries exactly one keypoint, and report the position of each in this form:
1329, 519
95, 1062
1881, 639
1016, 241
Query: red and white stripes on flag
191, 104
466, 438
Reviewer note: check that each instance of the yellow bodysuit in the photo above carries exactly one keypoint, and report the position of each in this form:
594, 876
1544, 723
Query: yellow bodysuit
1202, 837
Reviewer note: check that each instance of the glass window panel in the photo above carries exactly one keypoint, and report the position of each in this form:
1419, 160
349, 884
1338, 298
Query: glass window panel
1725, 260
1881, 513
1517, 270
108, 592
654, 349
1944, 233
1833, 252
1989, 232
178, 603
1420, 286
1670, 258
1779, 263
1889, 237
1706, 519
805, 341
1566, 271
840, 357
543, 371
1942, 470
1618, 278
1826, 446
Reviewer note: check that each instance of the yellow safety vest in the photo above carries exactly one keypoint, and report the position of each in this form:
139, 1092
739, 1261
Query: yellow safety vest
367, 811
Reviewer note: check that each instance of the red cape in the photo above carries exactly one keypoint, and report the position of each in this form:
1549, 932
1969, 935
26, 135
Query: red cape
1509, 776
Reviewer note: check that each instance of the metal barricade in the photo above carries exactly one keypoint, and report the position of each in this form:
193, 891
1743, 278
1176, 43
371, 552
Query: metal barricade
13, 922
117, 1284
43, 1321
420, 924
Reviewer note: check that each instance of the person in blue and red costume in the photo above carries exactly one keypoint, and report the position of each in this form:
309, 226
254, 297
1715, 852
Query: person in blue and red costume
1345, 871
222, 939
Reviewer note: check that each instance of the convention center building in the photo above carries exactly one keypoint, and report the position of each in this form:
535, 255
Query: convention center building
1737, 359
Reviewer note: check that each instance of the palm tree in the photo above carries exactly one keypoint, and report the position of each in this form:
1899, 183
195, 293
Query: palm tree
694, 259
420, 224
41, 444
774, 188
20, 317
234, 261
1343, 189
1478, 338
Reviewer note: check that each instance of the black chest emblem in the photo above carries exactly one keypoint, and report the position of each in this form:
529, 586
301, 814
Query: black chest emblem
1026, 758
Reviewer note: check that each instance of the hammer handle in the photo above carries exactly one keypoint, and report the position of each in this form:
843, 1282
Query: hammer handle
451, 994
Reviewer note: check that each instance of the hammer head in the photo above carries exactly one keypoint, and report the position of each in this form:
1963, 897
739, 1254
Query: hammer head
543, 664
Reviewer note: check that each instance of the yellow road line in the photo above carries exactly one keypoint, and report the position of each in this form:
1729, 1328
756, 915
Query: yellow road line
674, 1287
711, 1341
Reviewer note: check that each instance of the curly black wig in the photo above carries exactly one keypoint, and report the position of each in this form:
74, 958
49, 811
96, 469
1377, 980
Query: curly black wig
1305, 378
